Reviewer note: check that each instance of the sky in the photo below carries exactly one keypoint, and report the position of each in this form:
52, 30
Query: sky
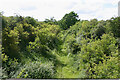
45, 9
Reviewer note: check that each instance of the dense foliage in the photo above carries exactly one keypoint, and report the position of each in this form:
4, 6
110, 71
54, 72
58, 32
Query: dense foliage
68, 48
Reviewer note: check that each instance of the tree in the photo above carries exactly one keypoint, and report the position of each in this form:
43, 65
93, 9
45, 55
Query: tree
68, 20
93, 22
99, 29
31, 21
51, 21
115, 26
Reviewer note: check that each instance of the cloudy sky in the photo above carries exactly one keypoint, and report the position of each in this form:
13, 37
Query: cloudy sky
42, 9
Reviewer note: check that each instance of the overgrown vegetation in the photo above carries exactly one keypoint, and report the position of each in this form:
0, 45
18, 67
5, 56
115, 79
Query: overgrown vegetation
68, 48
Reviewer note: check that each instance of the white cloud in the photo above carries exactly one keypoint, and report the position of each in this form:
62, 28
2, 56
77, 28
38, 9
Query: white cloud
41, 9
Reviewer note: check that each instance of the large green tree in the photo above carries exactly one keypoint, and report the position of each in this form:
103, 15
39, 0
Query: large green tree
68, 20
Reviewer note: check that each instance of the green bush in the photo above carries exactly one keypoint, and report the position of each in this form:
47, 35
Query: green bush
96, 53
36, 70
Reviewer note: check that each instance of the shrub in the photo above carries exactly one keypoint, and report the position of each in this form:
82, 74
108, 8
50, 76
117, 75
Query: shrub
36, 70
